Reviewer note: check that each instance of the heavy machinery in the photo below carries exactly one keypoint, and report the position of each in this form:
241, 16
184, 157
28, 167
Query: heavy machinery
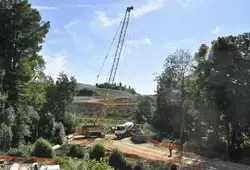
98, 130
124, 130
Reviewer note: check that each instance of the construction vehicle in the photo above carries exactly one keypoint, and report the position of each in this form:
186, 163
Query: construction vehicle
124, 130
98, 130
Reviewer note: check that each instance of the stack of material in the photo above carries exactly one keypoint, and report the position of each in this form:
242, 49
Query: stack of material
16, 166
50, 167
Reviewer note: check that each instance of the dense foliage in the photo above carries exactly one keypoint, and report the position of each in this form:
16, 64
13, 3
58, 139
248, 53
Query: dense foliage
97, 152
205, 98
86, 92
68, 163
76, 151
115, 86
43, 149
117, 160
32, 105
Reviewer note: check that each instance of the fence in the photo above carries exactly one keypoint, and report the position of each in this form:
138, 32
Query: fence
210, 163
23, 159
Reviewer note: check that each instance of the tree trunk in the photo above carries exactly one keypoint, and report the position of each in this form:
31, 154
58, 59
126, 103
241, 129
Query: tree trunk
228, 135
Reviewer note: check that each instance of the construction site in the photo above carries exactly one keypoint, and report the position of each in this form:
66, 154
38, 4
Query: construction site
113, 118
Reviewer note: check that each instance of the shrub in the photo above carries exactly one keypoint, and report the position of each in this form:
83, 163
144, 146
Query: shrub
97, 152
67, 163
63, 150
98, 165
59, 134
17, 152
117, 160
22, 151
43, 149
138, 165
76, 151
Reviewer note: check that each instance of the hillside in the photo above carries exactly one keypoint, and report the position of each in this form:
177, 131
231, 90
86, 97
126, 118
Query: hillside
99, 93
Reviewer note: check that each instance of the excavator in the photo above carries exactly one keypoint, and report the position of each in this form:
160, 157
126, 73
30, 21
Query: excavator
97, 128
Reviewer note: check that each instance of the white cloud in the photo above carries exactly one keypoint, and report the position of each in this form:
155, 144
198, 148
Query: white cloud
148, 40
217, 29
55, 64
105, 21
152, 5
190, 3
85, 6
45, 7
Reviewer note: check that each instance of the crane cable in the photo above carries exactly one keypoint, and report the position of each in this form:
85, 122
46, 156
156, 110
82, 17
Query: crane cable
106, 92
97, 77
108, 51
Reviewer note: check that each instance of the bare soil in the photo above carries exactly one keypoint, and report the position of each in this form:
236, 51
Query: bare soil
154, 152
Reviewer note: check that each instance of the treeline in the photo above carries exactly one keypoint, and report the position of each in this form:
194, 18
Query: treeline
115, 86
86, 92
32, 105
206, 100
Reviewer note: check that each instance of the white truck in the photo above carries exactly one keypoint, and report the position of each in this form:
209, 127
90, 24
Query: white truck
124, 130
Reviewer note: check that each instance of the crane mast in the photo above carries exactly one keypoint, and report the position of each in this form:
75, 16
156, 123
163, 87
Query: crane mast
119, 47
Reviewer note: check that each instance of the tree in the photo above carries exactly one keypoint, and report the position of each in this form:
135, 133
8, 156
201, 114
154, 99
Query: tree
22, 32
60, 96
171, 94
145, 106
221, 91
59, 134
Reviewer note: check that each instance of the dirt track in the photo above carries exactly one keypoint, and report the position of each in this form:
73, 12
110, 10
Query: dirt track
153, 152
113, 102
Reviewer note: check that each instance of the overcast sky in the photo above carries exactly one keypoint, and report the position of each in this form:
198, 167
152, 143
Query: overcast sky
82, 30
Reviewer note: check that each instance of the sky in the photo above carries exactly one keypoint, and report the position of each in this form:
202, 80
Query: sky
81, 32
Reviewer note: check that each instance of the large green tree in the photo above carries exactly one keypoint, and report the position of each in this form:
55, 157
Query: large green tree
22, 32
221, 91
170, 114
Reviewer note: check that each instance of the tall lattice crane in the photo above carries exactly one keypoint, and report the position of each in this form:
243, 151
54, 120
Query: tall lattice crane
99, 130
116, 60
119, 47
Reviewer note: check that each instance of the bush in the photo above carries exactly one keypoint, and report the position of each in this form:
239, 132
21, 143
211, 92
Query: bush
67, 163
76, 151
97, 152
22, 151
59, 134
63, 150
43, 149
138, 165
98, 165
17, 152
116, 159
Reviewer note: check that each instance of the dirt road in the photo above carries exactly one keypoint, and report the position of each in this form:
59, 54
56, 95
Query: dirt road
153, 152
